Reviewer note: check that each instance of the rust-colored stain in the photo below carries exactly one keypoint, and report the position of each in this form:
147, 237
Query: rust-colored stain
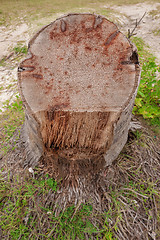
88, 48
38, 76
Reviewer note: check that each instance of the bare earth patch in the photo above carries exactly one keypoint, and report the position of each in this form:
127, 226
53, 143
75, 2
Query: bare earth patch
149, 24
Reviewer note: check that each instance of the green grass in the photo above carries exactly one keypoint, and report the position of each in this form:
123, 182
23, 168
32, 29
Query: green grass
2, 62
17, 54
147, 102
10, 120
17, 218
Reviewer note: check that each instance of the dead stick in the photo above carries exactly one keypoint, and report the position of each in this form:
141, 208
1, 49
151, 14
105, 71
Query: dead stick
130, 34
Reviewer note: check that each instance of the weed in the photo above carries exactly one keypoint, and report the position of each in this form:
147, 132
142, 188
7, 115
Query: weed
2, 62
20, 49
147, 102
137, 134
10, 86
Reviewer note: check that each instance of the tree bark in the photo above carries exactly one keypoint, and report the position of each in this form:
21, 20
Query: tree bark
78, 87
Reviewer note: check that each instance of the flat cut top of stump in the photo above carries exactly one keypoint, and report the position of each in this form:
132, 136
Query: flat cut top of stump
80, 62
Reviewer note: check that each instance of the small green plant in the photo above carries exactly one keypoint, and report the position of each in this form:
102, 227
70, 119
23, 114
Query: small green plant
2, 62
147, 102
20, 49
137, 134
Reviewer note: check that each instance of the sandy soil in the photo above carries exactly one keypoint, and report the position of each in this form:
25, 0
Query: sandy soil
126, 15
146, 28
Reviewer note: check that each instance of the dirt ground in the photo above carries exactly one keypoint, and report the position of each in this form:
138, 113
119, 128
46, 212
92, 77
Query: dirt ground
148, 26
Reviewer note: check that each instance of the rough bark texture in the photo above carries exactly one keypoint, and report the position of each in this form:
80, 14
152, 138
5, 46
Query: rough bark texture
78, 86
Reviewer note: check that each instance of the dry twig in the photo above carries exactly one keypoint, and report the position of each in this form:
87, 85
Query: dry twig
131, 33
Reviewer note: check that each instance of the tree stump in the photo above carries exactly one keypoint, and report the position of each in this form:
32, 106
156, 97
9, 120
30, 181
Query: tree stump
78, 86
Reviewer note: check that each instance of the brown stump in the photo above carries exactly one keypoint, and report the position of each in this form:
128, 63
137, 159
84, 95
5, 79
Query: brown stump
78, 87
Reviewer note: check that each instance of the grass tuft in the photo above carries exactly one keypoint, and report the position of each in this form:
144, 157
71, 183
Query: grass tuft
20, 49
10, 121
